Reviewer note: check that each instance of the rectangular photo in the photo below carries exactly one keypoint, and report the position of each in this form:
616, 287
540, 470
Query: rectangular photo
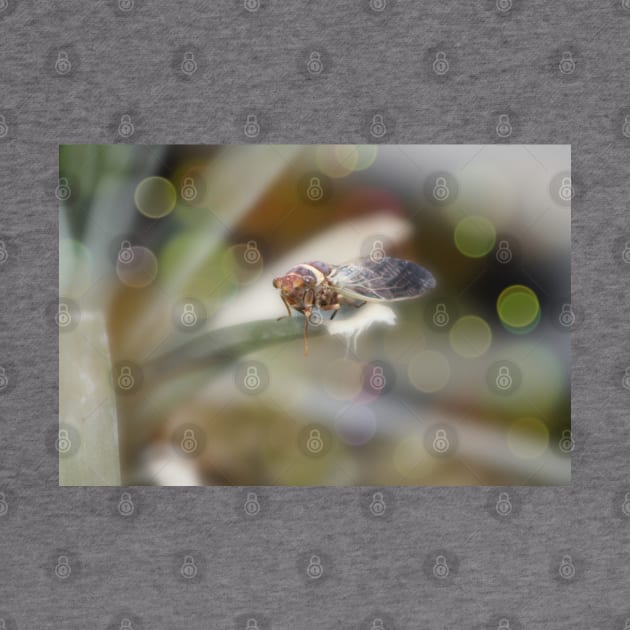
314, 315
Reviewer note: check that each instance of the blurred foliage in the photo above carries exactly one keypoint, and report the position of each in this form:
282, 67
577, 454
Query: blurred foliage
243, 214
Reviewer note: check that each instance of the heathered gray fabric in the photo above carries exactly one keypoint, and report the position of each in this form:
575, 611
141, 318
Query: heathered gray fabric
373, 62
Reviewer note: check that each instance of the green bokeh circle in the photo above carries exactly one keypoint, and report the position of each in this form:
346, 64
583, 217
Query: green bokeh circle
475, 236
518, 307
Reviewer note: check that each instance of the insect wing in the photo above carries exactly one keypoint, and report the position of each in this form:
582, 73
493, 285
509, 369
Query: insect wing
388, 279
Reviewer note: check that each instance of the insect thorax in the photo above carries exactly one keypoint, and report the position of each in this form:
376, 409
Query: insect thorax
310, 272
325, 295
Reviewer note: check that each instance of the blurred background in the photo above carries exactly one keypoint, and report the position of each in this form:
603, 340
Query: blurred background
175, 371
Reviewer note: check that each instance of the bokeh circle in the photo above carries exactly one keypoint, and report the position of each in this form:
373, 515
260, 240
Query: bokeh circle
518, 308
429, 371
155, 197
470, 336
138, 268
475, 236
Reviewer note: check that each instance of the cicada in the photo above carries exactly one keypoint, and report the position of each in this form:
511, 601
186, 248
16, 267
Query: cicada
328, 287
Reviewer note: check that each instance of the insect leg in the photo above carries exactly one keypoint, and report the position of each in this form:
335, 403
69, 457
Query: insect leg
308, 303
308, 298
288, 309
332, 307
307, 314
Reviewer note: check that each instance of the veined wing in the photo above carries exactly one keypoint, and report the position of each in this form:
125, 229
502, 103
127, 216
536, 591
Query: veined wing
388, 279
